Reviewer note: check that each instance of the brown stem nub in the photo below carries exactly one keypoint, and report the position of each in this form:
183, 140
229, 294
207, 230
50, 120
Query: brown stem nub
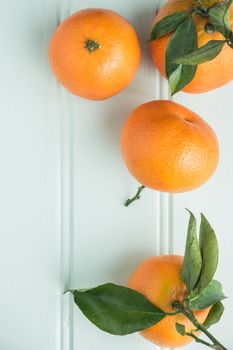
210, 28
92, 45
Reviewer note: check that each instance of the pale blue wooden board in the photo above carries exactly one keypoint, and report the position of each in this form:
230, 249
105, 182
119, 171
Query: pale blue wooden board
63, 183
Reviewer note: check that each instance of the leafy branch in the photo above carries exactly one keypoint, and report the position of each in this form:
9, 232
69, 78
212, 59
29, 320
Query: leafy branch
187, 312
200, 264
183, 54
120, 310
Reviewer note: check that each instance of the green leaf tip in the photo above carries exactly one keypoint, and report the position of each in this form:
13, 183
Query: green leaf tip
183, 41
211, 295
167, 25
192, 259
214, 315
200, 259
180, 329
117, 310
203, 54
209, 252
68, 291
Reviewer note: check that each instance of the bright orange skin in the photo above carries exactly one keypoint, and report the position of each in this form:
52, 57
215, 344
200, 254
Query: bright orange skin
158, 278
104, 72
209, 75
169, 148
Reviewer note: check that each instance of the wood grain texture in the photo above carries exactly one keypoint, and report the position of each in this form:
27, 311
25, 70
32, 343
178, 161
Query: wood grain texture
104, 240
30, 189
63, 184
213, 198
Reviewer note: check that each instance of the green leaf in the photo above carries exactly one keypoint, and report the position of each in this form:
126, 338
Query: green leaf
117, 310
214, 315
192, 259
219, 16
204, 54
183, 41
211, 295
180, 328
167, 25
209, 252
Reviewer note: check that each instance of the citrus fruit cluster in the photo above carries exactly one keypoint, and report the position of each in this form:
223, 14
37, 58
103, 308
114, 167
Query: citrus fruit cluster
95, 54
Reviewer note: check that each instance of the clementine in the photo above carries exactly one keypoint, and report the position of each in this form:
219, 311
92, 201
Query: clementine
168, 147
159, 279
209, 75
95, 53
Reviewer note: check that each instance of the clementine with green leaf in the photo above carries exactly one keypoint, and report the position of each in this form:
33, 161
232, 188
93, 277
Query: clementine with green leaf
170, 299
192, 44
95, 53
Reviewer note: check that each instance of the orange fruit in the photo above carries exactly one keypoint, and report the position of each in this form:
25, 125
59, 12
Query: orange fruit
168, 147
95, 53
158, 278
209, 75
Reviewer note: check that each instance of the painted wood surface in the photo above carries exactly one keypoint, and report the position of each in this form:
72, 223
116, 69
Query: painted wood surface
63, 183
30, 179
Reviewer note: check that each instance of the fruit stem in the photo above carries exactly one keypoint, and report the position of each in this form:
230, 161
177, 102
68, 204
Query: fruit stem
186, 311
136, 197
201, 9
92, 45
198, 340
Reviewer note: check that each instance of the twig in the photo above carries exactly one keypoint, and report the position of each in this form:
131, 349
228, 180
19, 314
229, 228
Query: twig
186, 311
136, 197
